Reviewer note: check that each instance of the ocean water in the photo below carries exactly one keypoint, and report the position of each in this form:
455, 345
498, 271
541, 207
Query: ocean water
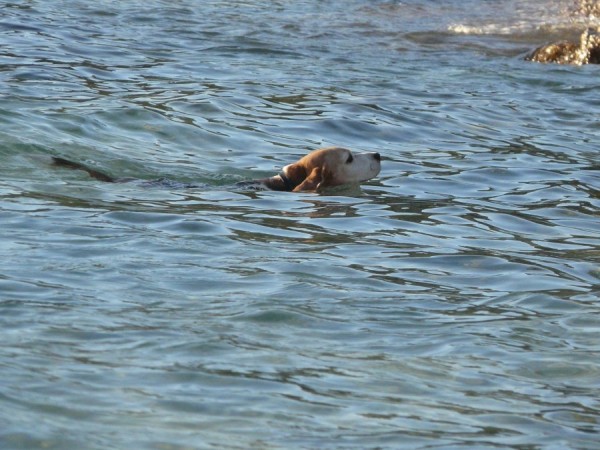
451, 302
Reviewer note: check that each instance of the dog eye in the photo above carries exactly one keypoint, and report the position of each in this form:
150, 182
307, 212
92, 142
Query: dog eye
350, 159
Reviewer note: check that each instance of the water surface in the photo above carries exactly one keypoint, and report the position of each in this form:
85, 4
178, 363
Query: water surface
452, 302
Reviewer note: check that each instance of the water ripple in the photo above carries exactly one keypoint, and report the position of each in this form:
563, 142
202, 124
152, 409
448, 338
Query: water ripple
449, 303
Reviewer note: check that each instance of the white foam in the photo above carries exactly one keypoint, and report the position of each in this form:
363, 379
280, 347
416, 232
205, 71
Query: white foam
532, 16
491, 28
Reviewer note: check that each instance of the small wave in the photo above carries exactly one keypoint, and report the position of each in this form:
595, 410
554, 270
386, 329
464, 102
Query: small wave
532, 18
553, 16
523, 27
504, 29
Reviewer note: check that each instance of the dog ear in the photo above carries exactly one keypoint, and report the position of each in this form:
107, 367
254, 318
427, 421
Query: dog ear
317, 179
295, 172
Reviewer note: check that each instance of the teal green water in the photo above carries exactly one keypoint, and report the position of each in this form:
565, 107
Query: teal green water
452, 302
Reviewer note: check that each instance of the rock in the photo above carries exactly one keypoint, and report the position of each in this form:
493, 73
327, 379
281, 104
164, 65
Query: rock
587, 51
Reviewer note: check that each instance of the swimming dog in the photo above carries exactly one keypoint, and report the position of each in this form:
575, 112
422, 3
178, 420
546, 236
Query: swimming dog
320, 169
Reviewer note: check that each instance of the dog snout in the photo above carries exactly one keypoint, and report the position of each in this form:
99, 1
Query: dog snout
377, 156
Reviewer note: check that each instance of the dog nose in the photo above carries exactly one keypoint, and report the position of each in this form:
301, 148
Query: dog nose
377, 156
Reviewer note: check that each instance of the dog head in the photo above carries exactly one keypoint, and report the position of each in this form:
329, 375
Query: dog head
333, 166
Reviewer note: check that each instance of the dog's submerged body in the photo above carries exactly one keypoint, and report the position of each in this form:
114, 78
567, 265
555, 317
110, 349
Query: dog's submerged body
320, 169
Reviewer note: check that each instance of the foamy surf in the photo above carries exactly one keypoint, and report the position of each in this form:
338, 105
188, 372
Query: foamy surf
533, 17
491, 28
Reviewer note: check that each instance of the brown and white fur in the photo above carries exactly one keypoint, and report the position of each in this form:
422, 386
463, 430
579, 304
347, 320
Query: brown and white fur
320, 169
323, 168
